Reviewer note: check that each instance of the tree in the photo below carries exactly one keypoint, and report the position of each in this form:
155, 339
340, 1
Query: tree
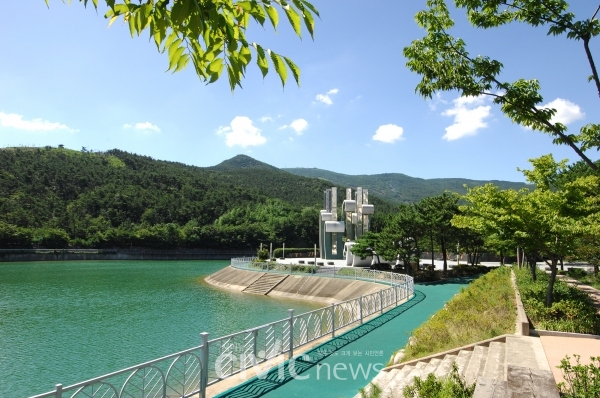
212, 33
403, 231
545, 221
436, 213
445, 64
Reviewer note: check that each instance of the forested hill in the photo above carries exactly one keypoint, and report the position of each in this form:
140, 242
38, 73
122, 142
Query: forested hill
55, 197
400, 188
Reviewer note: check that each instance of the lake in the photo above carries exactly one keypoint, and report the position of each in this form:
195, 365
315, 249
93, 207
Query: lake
64, 322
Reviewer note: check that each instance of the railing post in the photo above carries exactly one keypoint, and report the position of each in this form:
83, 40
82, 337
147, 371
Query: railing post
58, 391
291, 312
361, 310
204, 360
332, 320
255, 345
334, 270
381, 301
396, 294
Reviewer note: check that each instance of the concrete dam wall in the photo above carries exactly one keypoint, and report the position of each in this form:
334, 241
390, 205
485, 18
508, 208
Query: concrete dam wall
319, 289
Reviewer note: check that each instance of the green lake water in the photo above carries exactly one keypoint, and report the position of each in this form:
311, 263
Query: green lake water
64, 322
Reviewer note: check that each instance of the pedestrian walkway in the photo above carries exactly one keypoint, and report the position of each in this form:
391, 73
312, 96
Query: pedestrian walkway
594, 293
343, 365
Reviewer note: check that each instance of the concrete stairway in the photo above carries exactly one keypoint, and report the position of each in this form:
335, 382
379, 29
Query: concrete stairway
507, 366
265, 284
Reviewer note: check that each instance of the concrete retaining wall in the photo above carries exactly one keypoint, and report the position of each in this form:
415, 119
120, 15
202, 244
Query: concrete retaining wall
319, 289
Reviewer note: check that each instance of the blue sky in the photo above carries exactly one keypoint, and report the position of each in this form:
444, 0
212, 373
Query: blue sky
65, 78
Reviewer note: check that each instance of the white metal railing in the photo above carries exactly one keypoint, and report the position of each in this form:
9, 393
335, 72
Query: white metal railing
188, 373
364, 274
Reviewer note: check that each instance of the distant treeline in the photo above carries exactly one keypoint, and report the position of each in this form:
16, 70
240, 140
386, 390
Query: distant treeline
56, 198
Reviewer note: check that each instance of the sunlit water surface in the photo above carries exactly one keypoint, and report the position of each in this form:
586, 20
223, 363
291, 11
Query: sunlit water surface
64, 322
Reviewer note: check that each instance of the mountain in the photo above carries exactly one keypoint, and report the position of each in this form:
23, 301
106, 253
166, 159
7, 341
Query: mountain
400, 188
242, 162
56, 197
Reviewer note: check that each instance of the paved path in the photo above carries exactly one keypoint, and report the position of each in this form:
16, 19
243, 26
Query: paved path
557, 347
594, 293
562, 344
341, 366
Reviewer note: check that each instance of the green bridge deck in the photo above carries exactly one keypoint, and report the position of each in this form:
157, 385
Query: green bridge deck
341, 366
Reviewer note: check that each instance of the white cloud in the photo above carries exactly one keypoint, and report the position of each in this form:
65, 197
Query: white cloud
146, 127
241, 132
326, 98
469, 114
265, 119
389, 133
566, 111
299, 125
38, 125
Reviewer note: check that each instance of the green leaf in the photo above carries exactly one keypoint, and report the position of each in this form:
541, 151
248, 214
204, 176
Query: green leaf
170, 39
216, 66
261, 60
309, 22
131, 21
311, 7
294, 68
182, 62
280, 68
173, 46
245, 55
273, 15
113, 19
233, 78
294, 19
180, 11
174, 52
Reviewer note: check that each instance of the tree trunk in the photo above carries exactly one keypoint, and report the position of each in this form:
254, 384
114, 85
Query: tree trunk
549, 293
432, 253
531, 262
501, 257
444, 255
562, 265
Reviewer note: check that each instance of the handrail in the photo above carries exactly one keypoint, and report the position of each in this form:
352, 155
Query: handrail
187, 373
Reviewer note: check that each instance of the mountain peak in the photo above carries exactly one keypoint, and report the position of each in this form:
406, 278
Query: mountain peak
242, 162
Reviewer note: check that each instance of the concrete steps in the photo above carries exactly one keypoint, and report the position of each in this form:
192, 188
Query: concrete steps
507, 366
265, 284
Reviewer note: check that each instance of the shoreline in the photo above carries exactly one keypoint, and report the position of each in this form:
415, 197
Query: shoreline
29, 255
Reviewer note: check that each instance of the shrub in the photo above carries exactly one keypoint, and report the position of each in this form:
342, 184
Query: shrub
571, 311
295, 252
581, 381
452, 386
576, 273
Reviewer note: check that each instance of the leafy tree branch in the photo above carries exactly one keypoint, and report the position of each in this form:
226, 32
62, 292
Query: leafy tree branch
211, 34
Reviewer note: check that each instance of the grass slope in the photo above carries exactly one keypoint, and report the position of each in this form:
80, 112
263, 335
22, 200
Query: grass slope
485, 309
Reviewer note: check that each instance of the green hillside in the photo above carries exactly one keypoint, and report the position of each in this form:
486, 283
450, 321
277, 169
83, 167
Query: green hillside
400, 188
56, 197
